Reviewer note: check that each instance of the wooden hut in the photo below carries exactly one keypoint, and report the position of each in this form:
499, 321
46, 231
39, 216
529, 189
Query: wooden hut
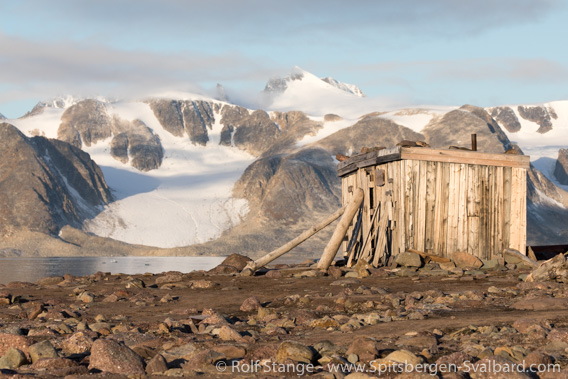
435, 201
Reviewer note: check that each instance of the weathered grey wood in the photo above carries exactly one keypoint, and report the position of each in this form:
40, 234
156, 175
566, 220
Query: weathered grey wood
333, 245
255, 265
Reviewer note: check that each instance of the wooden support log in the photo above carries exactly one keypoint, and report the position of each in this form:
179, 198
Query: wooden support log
333, 245
524, 258
261, 262
429, 257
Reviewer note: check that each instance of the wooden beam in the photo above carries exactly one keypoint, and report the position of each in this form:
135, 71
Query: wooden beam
333, 245
261, 262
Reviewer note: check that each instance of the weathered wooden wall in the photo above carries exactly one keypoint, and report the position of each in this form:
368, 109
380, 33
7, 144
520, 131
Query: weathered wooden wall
440, 207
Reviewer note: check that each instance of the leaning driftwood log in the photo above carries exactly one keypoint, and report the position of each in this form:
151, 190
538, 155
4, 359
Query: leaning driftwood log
333, 245
255, 265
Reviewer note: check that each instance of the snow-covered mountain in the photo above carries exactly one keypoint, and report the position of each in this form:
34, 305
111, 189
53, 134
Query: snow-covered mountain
186, 169
303, 91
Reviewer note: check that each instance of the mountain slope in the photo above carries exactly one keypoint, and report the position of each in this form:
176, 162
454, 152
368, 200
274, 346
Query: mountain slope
46, 184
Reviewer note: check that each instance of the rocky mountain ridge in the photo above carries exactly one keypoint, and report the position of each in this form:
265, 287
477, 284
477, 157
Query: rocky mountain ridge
289, 179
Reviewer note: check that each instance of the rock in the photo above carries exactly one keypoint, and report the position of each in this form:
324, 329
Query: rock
324, 322
334, 272
13, 359
230, 351
365, 348
86, 297
203, 359
456, 359
226, 333
53, 364
401, 356
447, 266
78, 343
250, 304
552, 269
113, 357
202, 284
540, 304
494, 368
41, 350
136, 283
170, 278
408, 259
295, 351
224, 269
180, 352
465, 260
157, 365
237, 261
49, 281
561, 167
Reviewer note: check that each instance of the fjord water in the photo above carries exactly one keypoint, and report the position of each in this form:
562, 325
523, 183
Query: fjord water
32, 269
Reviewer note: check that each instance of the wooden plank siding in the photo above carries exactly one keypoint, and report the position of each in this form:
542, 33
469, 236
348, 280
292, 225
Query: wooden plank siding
440, 202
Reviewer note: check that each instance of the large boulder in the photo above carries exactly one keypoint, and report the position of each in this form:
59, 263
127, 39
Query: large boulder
113, 357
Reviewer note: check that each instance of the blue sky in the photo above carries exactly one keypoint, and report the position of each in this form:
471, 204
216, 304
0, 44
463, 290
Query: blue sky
439, 52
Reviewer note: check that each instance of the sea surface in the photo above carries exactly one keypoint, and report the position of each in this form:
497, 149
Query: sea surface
32, 269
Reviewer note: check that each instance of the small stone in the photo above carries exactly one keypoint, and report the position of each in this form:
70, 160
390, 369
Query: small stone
402, 356
170, 278
295, 351
157, 365
136, 283
447, 266
465, 260
408, 259
334, 272
13, 359
78, 343
86, 297
353, 358
43, 349
202, 284
226, 333
50, 281
113, 357
250, 304
365, 349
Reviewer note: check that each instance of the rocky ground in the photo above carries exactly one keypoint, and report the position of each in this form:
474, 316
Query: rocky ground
289, 321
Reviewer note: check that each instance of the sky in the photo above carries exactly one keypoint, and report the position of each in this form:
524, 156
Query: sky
414, 52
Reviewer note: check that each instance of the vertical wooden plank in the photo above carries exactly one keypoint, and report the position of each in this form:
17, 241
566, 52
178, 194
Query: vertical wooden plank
401, 180
444, 209
473, 235
462, 236
507, 175
498, 205
395, 242
484, 211
473, 209
430, 206
438, 199
420, 220
491, 214
518, 210
453, 207
523, 202
409, 205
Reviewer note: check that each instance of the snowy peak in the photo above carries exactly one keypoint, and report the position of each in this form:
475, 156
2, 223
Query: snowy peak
299, 76
349, 88
61, 102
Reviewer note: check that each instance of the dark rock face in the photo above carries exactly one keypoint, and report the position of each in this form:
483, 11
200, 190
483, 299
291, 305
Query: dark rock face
368, 132
169, 114
86, 122
285, 188
456, 127
137, 143
46, 184
190, 117
539, 115
2, 117
506, 117
231, 118
257, 133
561, 169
